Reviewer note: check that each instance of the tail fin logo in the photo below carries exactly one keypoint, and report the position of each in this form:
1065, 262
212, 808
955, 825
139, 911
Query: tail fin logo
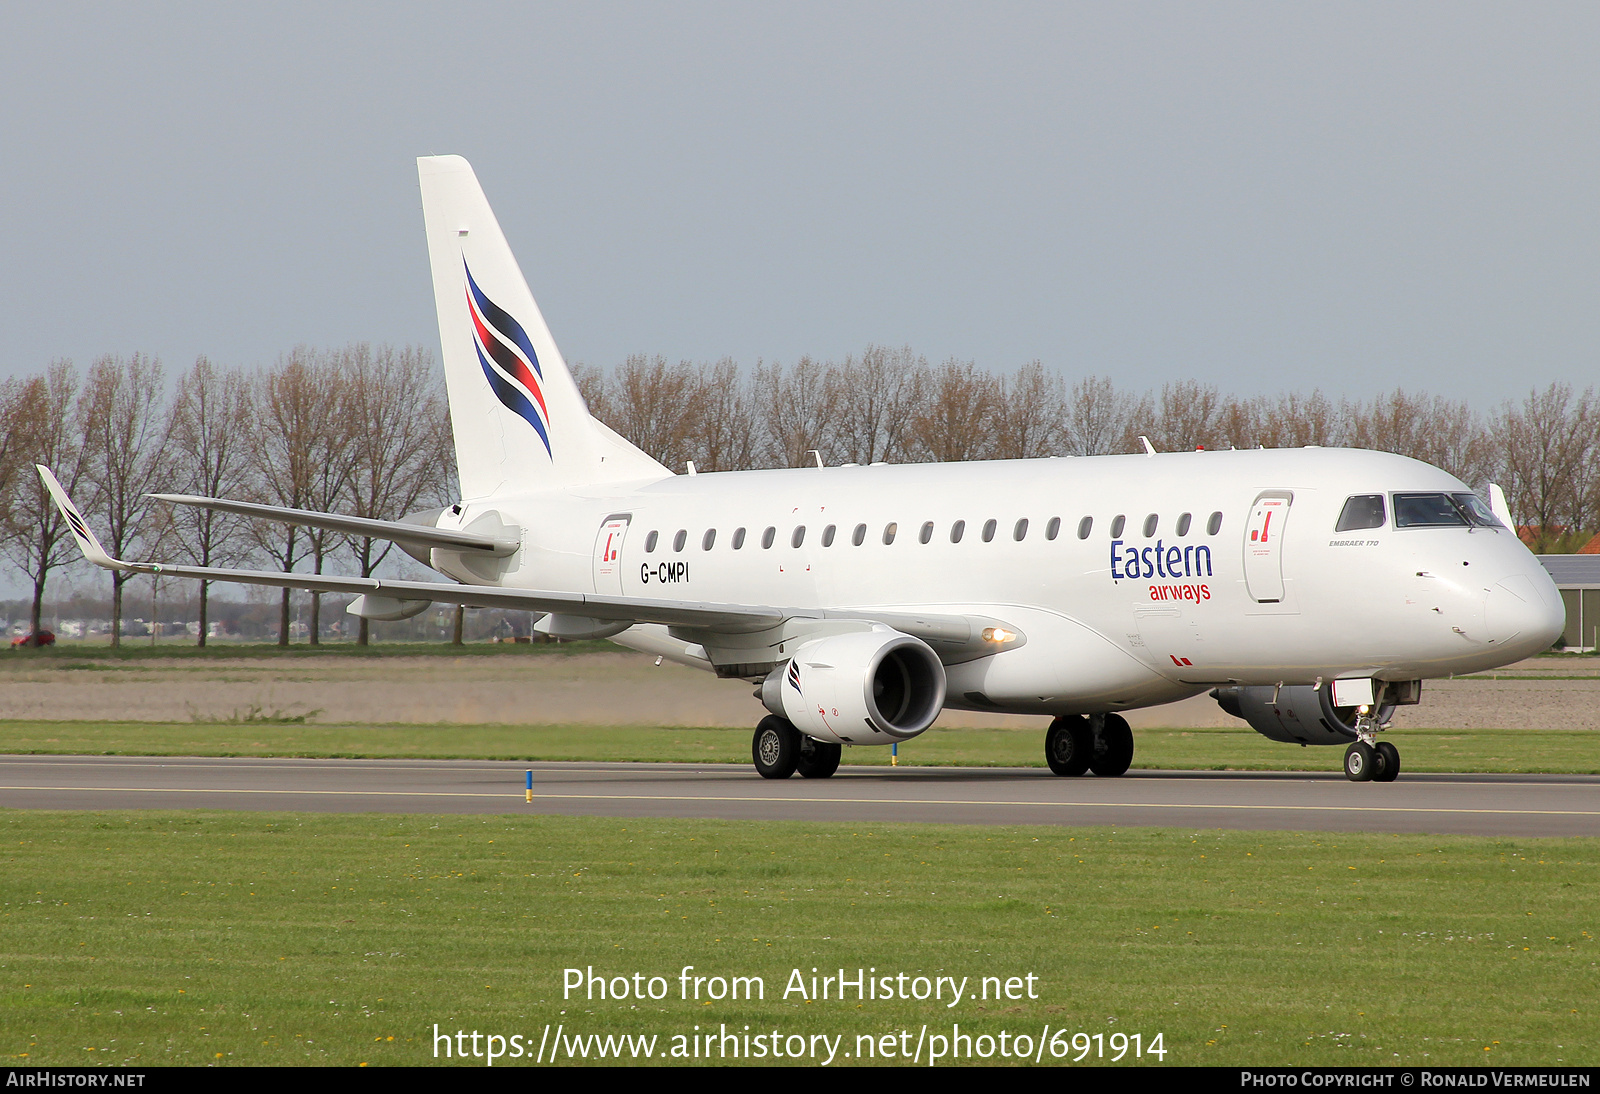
508, 361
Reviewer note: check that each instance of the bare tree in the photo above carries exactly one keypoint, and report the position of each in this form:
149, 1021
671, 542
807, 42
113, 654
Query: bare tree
1291, 421
394, 414
958, 419
799, 407
37, 539
1031, 415
124, 425
298, 435
1549, 448
591, 383
878, 395
211, 446
1100, 419
330, 478
1436, 430
13, 438
725, 437
655, 405
1186, 417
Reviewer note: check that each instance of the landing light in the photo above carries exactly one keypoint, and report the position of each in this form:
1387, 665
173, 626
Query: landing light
998, 635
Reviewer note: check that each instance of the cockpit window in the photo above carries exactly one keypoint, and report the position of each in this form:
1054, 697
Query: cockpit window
1477, 512
1428, 511
1361, 511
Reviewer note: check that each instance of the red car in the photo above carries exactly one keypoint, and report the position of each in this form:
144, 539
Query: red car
46, 638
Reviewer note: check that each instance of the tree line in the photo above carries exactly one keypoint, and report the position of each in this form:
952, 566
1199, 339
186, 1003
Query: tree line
892, 405
361, 430
365, 430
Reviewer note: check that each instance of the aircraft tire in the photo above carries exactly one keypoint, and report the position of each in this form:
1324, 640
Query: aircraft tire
818, 759
1113, 754
1068, 745
1390, 756
1360, 763
775, 748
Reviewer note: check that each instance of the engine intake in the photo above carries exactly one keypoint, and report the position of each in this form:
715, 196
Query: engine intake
869, 687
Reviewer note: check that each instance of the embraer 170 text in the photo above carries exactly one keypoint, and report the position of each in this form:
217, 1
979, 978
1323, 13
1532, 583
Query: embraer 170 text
1310, 590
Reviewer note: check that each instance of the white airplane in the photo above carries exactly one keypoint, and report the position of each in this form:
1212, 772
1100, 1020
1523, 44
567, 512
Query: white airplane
1310, 590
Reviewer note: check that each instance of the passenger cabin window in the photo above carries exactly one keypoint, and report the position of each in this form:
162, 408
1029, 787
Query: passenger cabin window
1428, 511
738, 538
957, 530
1214, 525
1020, 532
1361, 511
1085, 526
1118, 522
798, 537
1150, 523
767, 537
1183, 524
680, 539
708, 539
927, 532
650, 542
827, 535
859, 536
1053, 529
988, 529
888, 532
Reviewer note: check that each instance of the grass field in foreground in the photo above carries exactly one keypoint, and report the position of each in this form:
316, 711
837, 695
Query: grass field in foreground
1242, 749
254, 938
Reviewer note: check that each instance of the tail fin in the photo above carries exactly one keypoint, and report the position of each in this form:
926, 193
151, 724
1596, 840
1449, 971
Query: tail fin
519, 421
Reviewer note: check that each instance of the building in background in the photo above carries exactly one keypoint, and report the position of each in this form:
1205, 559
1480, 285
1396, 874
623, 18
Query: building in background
1578, 578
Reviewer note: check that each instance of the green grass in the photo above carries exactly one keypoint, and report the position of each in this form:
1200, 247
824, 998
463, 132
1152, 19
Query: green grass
98, 653
150, 938
264, 732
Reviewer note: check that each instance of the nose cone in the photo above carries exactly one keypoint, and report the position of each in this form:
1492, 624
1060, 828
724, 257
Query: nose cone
1524, 613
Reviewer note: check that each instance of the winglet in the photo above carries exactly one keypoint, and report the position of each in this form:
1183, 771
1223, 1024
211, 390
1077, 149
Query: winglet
87, 543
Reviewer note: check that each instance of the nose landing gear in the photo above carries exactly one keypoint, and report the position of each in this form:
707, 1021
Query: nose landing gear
1390, 756
1369, 759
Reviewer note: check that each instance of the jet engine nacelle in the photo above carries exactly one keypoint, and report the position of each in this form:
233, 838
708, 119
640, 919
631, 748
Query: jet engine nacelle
866, 688
1300, 715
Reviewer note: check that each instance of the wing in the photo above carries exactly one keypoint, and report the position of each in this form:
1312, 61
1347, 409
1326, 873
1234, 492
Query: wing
953, 637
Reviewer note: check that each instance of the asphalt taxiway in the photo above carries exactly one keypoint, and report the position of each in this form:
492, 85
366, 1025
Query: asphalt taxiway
1484, 805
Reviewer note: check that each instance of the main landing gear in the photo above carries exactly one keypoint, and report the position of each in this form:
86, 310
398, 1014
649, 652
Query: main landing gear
779, 750
1367, 762
1101, 743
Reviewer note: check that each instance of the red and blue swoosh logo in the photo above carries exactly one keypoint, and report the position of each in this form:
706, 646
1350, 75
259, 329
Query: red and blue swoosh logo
508, 360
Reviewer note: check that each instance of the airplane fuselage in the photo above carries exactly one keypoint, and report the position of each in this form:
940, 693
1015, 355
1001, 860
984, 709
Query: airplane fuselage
1133, 580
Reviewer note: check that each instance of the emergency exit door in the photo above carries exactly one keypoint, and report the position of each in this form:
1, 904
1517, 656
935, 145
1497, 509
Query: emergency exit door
608, 555
1263, 546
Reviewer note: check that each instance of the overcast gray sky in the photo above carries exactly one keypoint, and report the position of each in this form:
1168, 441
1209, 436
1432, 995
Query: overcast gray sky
1266, 197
